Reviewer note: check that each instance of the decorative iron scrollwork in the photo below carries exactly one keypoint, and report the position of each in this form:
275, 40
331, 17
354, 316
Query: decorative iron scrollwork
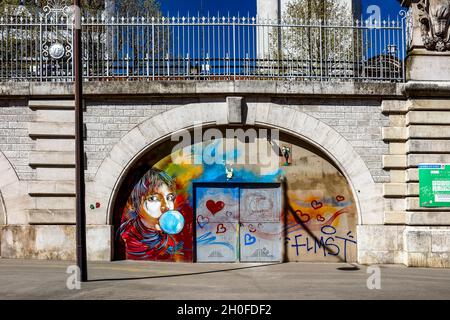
434, 17
57, 50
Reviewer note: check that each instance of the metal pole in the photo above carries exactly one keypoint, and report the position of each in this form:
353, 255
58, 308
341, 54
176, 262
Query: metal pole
79, 146
279, 38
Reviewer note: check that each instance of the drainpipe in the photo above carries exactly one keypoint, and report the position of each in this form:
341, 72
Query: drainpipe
79, 146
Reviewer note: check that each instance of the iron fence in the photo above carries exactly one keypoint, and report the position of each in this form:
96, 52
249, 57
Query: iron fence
39, 48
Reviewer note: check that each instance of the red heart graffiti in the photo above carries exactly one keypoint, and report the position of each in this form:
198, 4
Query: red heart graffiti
303, 216
340, 198
251, 228
221, 228
214, 207
320, 218
316, 204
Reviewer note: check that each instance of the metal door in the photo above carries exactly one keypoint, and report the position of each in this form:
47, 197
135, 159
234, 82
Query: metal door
238, 224
217, 217
260, 225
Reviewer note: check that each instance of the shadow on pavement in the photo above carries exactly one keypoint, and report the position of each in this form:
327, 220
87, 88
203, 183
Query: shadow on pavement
184, 274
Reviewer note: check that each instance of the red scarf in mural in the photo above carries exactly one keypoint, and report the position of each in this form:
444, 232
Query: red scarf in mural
143, 243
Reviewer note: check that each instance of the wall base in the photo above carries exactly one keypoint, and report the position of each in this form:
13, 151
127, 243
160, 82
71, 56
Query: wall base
408, 245
56, 242
427, 247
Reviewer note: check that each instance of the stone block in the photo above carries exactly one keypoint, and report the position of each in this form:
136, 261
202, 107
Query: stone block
51, 129
149, 131
54, 202
428, 218
394, 161
394, 106
428, 117
397, 120
415, 159
429, 132
108, 173
121, 154
394, 134
413, 189
55, 174
207, 87
417, 240
412, 175
261, 113
236, 108
100, 240
428, 104
377, 238
428, 146
134, 141
51, 187
51, 216
413, 204
257, 87
51, 104
397, 148
394, 189
440, 241
16, 202
51, 158
55, 145
394, 204
217, 113
398, 176
418, 67
55, 116
394, 217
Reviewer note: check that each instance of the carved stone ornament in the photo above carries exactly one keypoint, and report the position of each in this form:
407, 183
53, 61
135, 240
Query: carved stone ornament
434, 17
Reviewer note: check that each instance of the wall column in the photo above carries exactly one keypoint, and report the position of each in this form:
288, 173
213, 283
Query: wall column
419, 132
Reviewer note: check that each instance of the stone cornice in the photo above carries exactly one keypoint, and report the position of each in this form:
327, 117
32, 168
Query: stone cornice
202, 88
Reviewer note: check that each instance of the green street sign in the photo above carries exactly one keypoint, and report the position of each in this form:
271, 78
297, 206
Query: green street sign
434, 185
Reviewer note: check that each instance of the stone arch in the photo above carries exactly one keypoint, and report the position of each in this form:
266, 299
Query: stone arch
8, 187
155, 130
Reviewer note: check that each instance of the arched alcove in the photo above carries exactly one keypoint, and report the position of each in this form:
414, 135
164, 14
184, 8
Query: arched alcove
317, 191
131, 153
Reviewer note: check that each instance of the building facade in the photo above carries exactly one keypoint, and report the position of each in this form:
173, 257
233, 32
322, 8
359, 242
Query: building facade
240, 169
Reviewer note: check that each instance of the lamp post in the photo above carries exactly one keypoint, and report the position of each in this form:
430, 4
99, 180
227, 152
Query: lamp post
79, 145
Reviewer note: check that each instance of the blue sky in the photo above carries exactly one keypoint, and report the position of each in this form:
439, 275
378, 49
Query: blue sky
388, 7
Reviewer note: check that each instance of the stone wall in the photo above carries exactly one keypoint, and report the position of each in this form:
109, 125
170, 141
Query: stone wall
348, 112
418, 133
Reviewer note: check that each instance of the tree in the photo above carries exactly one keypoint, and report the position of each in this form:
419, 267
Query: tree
105, 44
318, 40
36, 6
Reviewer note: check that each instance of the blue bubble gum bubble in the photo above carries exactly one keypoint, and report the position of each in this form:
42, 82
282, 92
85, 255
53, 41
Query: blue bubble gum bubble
171, 222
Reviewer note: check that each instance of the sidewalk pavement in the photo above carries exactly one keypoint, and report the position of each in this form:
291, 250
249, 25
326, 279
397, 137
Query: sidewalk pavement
42, 279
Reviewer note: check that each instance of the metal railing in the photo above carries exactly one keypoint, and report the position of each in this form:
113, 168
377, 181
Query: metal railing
202, 48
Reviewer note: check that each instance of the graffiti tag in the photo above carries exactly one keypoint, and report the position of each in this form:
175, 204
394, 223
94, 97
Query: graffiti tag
328, 239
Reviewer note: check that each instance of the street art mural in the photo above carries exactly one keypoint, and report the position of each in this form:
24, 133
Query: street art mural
261, 225
217, 218
151, 228
230, 222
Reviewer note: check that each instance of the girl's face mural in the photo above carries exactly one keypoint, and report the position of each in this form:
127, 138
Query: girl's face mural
152, 228
159, 201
